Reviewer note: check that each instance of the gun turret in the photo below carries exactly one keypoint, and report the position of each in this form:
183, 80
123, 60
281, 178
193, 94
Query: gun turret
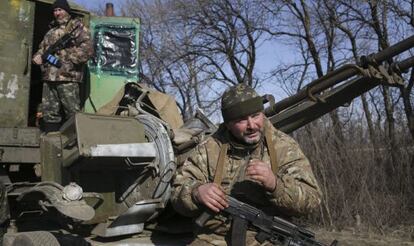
340, 87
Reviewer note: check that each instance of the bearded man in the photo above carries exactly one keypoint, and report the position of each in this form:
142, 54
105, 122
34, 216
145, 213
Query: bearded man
250, 160
63, 71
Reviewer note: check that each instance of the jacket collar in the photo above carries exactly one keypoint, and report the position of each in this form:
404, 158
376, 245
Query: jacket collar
237, 149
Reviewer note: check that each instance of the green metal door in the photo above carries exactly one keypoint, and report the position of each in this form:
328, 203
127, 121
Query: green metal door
16, 28
115, 63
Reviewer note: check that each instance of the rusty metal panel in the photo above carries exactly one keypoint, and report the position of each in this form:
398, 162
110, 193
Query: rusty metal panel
97, 129
16, 28
19, 155
26, 136
51, 158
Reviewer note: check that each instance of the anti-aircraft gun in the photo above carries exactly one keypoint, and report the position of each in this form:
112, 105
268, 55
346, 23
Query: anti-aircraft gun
106, 173
339, 87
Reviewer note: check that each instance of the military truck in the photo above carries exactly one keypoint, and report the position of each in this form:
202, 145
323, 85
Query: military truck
104, 177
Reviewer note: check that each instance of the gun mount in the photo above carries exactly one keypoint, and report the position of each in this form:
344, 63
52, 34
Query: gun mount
102, 174
339, 87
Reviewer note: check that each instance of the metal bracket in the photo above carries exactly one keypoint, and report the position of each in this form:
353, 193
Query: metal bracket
385, 76
313, 97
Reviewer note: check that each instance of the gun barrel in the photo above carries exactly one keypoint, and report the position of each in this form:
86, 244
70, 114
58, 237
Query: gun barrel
394, 50
339, 87
330, 79
403, 65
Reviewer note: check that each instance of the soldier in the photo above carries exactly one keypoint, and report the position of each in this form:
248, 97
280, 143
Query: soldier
61, 82
249, 159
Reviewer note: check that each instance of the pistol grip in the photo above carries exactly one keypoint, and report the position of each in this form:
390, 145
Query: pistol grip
202, 219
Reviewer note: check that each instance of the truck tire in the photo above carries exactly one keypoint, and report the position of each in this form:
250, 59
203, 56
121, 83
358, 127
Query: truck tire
35, 238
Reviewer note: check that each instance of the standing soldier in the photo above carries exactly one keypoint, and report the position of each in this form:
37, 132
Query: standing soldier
249, 159
62, 69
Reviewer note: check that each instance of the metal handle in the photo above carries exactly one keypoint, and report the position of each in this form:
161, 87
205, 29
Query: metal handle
28, 60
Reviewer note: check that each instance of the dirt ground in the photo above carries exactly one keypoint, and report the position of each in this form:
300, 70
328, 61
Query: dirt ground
404, 237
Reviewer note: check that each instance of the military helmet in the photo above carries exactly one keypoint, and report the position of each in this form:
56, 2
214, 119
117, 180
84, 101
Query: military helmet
239, 101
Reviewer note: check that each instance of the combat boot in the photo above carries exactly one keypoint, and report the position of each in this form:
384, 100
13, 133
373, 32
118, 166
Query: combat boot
50, 127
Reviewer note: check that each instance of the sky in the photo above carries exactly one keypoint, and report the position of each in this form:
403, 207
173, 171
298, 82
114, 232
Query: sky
268, 54
94, 4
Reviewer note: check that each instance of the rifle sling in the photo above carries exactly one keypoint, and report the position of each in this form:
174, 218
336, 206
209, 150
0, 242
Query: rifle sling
219, 173
271, 149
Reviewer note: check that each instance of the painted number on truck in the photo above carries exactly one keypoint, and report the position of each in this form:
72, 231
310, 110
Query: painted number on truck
8, 86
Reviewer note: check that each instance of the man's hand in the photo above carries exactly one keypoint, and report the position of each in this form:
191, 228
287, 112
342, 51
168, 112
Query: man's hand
261, 172
212, 196
37, 59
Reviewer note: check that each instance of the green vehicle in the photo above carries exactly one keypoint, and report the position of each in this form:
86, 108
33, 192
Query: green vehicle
104, 178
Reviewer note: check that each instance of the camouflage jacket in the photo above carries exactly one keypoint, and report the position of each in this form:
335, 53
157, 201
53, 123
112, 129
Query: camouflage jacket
297, 191
73, 57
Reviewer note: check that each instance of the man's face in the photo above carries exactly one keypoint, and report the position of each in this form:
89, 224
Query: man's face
248, 129
59, 14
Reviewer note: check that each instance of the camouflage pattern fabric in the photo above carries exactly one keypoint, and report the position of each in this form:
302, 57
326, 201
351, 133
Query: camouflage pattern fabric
57, 96
239, 101
4, 207
296, 193
208, 240
60, 87
4, 211
73, 57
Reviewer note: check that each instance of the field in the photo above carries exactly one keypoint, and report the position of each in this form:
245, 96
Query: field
351, 237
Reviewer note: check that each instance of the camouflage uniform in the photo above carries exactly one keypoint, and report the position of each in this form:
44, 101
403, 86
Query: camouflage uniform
61, 85
296, 192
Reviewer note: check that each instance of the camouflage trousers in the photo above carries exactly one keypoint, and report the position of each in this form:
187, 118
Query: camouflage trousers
60, 100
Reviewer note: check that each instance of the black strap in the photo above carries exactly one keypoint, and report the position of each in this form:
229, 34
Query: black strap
238, 231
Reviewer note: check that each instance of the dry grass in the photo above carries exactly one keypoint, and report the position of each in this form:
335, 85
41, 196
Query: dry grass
363, 187
354, 238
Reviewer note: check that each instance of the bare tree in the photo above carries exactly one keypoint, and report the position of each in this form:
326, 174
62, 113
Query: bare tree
403, 11
165, 62
226, 35
196, 47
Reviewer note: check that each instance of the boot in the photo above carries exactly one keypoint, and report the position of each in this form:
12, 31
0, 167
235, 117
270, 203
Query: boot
50, 127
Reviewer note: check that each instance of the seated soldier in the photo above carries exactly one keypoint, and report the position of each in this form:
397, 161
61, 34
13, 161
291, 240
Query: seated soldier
249, 159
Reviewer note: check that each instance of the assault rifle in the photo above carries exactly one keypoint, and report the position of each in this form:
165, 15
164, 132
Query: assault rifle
49, 56
269, 228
